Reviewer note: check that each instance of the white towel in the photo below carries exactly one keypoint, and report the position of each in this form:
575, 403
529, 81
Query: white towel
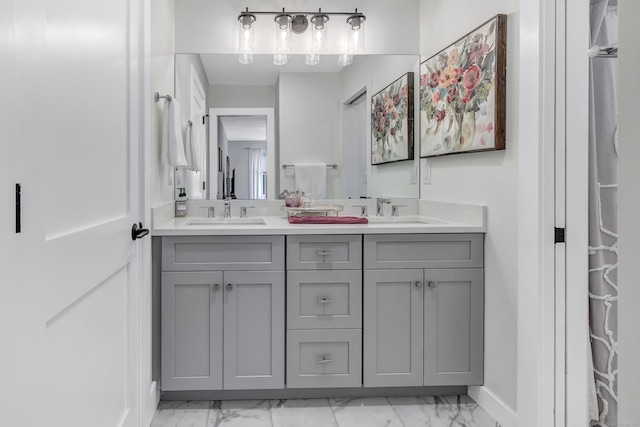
172, 149
194, 158
312, 179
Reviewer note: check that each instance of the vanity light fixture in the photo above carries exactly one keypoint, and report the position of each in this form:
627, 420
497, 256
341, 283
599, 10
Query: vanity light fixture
288, 23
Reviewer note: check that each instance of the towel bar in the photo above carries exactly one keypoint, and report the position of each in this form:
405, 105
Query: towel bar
157, 96
285, 166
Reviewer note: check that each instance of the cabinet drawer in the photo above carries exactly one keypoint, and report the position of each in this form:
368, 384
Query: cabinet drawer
194, 253
324, 358
324, 252
324, 299
423, 251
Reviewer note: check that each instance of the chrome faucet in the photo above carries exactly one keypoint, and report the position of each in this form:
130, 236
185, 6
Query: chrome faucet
227, 209
210, 211
394, 209
380, 202
363, 210
243, 211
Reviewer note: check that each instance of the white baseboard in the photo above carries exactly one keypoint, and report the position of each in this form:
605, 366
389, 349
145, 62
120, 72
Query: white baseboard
494, 406
150, 404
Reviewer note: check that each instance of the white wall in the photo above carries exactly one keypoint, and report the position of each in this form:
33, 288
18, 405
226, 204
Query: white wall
309, 126
162, 65
628, 208
250, 96
205, 26
375, 73
488, 178
183, 65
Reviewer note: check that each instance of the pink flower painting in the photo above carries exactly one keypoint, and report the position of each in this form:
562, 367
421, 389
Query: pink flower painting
392, 121
462, 93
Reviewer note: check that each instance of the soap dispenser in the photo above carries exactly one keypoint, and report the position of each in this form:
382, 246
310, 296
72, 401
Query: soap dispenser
181, 203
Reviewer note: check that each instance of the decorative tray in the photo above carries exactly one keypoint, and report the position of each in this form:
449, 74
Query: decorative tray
314, 210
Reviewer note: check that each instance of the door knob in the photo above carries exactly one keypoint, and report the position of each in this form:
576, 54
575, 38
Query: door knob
137, 232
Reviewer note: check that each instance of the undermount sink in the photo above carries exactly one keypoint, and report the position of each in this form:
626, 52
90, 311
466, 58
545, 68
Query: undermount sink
409, 219
225, 221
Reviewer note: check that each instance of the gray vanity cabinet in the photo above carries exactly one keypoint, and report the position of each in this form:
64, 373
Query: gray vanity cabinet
222, 329
324, 311
423, 310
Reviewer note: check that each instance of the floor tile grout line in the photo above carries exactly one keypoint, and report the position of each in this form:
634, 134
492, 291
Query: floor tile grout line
333, 413
394, 411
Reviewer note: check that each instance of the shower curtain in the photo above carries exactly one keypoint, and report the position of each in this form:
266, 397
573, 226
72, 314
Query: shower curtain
255, 174
603, 241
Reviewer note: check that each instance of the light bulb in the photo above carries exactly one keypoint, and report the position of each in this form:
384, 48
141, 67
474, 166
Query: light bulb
319, 33
245, 38
283, 33
355, 41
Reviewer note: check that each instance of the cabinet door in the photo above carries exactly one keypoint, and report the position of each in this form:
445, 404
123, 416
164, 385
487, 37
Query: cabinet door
192, 331
392, 328
453, 327
253, 330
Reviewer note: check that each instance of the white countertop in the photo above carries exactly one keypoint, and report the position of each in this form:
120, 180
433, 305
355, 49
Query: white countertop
445, 218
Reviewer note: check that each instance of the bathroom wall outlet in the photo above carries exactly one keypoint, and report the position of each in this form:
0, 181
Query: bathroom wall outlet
426, 172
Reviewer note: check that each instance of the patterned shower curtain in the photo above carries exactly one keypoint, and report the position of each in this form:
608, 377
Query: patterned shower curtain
603, 238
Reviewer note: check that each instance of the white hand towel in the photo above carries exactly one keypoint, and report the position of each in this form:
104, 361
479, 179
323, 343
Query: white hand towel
194, 159
172, 149
312, 179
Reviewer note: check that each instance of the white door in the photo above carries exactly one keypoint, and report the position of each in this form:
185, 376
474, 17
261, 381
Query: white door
197, 187
73, 300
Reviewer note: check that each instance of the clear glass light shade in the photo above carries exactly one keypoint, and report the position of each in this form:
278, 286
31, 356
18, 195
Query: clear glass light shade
279, 58
355, 41
345, 60
245, 38
245, 58
319, 33
312, 59
283, 33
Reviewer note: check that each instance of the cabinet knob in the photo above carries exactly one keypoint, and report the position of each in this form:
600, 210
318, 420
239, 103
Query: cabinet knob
419, 285
325, 360
229, 287
216, 287
432, 285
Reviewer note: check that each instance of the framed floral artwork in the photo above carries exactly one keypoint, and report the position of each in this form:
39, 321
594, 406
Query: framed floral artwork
463, 93
392, 122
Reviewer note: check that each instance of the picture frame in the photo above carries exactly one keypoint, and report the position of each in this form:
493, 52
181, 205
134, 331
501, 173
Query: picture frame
463, 93
392, 121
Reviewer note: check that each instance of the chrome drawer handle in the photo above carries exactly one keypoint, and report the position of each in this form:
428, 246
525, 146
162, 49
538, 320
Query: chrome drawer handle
325, 360
432, 284
229, 287
216, 287
419, 285
325, 301
324, 253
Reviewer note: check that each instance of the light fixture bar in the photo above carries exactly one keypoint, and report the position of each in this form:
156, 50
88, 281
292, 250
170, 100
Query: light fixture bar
289, 12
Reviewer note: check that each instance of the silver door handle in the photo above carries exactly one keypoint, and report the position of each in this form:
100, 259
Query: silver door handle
325, 360
432, 285
325, 301
419, 285
324, 253
229, 287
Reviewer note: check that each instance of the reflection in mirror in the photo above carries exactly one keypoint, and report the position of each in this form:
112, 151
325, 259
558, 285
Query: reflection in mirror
321, 115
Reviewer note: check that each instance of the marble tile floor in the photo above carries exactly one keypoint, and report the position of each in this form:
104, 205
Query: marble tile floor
428, 411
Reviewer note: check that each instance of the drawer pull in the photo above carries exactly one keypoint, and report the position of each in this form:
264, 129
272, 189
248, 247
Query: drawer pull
325, 253
229, 287
419, 285
216, 287
325, 301
325, 360
432, 285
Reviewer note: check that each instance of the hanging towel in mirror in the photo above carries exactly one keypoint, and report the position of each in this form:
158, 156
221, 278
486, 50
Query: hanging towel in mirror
193, 149
172, 149
312, 179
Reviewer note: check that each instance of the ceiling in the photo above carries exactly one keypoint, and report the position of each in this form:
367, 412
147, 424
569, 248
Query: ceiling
224, 69
244, 128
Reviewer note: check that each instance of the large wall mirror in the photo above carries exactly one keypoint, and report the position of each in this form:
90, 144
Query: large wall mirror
263, 119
